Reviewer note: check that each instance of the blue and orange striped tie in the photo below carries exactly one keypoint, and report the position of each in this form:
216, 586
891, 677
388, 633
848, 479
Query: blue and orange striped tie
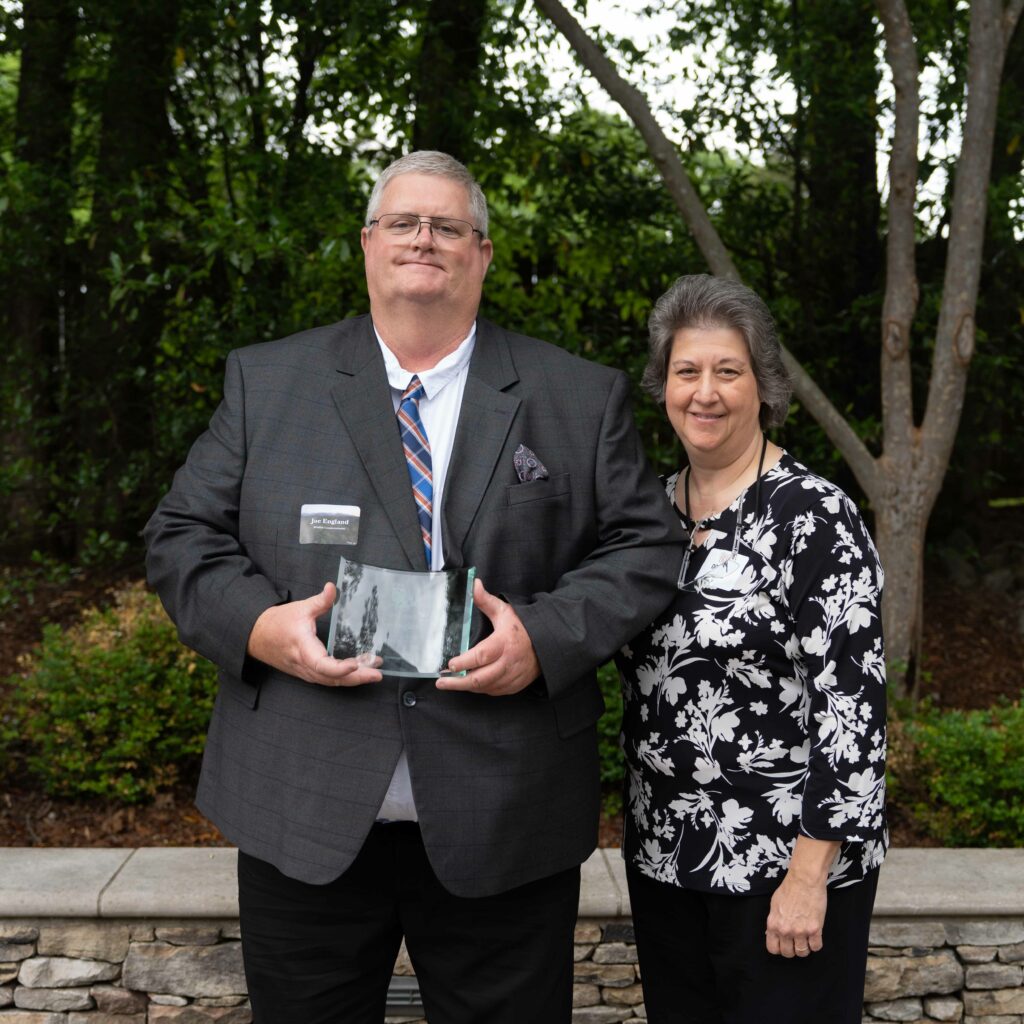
417, 456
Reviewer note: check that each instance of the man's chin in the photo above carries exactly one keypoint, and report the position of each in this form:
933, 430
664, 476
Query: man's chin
421, 296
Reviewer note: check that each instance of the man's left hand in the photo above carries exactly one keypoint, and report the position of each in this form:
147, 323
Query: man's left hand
502, 663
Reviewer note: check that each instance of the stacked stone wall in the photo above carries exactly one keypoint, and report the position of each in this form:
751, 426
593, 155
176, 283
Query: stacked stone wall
971, 971
82, 971
55, 971
606, 987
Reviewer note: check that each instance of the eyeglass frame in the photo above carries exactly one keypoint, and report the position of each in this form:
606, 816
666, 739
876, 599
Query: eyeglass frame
429, 221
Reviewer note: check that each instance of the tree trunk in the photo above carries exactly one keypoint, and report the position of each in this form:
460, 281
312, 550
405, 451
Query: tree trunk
446, 81
900, 527
36, 226
903, 483
840, 65
123, 318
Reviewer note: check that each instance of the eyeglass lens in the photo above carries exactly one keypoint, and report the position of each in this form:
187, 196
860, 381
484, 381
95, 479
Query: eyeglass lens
449, 229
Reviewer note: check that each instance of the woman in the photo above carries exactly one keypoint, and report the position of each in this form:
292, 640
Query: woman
754, 718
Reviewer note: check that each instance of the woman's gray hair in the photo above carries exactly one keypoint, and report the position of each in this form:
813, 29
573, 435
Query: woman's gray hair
431, 161
699, 300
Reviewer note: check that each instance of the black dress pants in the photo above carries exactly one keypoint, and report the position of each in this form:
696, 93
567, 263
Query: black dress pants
323, 954
703, 958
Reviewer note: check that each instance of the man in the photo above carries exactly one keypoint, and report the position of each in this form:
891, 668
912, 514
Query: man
453, 811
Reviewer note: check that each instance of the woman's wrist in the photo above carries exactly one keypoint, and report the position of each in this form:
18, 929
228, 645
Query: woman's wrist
812, 860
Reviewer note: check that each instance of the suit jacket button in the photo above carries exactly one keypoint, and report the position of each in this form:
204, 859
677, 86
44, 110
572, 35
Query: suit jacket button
409, 699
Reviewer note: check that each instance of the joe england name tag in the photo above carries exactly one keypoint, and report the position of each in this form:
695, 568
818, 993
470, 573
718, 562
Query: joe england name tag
329, 524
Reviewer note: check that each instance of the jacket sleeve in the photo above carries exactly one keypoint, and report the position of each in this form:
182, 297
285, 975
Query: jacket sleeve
835, 591
629, 575
207, 581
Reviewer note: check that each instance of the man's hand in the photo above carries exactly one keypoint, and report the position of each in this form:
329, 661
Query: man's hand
284, 637
798, 906
500, 664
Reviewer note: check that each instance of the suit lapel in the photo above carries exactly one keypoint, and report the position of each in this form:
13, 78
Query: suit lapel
484, 422
363, 398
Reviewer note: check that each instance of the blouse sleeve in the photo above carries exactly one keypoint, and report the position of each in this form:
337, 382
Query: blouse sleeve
834, 587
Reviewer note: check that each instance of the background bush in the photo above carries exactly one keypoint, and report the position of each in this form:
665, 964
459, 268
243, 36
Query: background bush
958, 774
114, 706
961, 773
608, 729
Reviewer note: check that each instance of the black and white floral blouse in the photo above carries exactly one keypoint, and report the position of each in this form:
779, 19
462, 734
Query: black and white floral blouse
754, 706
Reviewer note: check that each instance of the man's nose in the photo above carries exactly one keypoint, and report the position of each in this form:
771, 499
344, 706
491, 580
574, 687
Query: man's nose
427, 236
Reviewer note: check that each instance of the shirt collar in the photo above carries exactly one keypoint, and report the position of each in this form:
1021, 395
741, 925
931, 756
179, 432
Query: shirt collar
437, 377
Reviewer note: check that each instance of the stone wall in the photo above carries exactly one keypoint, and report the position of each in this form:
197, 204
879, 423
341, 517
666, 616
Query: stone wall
607, 979
946, 970
68, 971
151, 937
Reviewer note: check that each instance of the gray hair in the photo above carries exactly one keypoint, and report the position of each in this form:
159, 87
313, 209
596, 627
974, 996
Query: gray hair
699, 300
431, 161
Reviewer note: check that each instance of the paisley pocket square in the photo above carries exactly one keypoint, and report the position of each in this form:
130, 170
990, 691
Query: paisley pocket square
528, 466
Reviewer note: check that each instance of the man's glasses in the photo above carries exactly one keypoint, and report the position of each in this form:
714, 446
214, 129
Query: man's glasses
443, 229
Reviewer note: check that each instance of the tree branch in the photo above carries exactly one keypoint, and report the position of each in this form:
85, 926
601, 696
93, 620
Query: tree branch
901, 274
1010, 18
839, 432
662, 151
666, 158
954, 340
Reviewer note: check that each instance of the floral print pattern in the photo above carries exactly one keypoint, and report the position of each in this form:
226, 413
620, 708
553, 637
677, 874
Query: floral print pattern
754, 706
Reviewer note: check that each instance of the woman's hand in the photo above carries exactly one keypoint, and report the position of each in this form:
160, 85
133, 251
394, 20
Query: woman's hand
798, 905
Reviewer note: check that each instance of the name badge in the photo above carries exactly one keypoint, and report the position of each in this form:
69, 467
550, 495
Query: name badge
329, 524
725, 571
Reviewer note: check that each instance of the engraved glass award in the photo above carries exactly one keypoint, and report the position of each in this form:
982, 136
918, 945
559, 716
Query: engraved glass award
413, 621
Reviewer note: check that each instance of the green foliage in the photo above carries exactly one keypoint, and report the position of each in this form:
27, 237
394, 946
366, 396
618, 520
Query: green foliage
608, 738
18, 584
232, 215
114, 706
961, 773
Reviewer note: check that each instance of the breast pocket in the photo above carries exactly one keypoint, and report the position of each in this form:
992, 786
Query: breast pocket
554, 490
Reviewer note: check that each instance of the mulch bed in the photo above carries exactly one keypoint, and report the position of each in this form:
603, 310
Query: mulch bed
974, 656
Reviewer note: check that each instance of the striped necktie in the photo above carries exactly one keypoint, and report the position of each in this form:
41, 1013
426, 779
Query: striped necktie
417, 456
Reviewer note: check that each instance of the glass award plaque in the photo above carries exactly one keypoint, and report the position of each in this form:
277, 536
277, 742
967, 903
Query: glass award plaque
414, 622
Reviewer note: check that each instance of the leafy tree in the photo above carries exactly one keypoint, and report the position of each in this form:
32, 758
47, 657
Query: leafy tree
903, 480
222, 206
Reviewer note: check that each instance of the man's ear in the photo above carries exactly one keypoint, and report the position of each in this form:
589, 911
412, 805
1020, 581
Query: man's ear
364, 237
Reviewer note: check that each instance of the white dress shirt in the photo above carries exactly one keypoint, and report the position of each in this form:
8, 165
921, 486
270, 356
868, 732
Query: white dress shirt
439, 408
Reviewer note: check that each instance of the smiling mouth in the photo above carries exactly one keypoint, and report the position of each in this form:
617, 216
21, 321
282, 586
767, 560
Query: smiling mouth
707, 417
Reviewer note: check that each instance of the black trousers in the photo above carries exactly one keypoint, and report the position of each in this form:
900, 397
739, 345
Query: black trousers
323, 954
703, 958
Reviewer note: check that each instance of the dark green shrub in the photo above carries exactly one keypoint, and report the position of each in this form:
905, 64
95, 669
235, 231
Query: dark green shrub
114, 706
962, 772
608, 738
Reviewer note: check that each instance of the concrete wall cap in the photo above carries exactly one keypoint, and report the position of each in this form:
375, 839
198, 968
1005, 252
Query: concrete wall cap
201, 883
951, 883
59, 882
175, 882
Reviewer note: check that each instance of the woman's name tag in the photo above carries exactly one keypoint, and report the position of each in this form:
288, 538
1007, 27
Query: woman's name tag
725, 570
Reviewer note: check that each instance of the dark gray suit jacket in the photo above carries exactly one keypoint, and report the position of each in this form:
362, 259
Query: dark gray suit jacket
506, 788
